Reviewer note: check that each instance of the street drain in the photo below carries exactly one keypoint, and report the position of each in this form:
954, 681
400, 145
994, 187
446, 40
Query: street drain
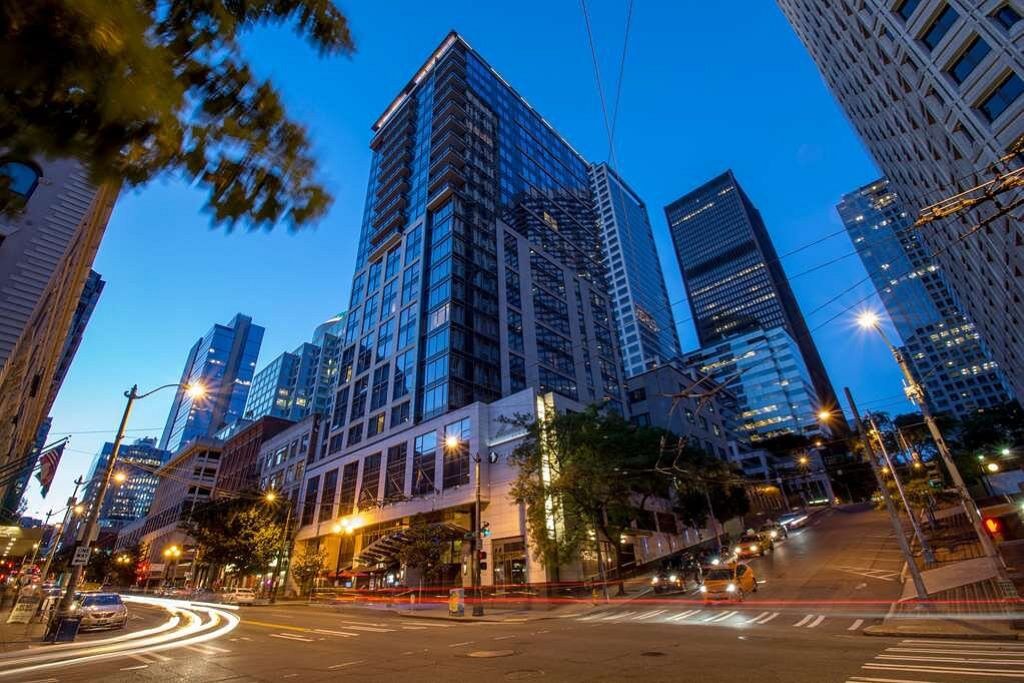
487, 654
652, 654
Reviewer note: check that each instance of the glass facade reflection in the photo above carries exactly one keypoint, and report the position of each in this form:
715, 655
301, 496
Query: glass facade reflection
946, 354
646, 326
478, 217
223, 361
734, 280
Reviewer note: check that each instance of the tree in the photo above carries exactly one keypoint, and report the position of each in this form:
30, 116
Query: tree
701, 478
424, 546
581, 474
235, 531
138, 89
307, 565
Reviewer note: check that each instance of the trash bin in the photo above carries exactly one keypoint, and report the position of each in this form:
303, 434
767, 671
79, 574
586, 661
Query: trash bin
63, 629
457, 602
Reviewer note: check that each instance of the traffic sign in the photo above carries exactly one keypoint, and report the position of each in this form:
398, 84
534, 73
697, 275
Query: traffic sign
81, 557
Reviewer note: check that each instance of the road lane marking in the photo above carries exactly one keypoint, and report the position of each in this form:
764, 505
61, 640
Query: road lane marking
344, 664
503, 637
865, 679
617, 615
648, 615
593, 616
816, 622
759, 616
425, 624
990, 653
723, 617
958, 660
414, 628
684, 615
343, 634
468, 642
1002, 645
135, 668
267, 624
141, 658
855, 625
803, 621
289, 636
769, 618
1002, 673
369, 629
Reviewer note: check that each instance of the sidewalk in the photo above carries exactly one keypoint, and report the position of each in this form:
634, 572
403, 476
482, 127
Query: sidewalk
20, 636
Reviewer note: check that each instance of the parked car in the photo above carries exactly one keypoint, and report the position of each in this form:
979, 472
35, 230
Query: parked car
239, 596
101, 610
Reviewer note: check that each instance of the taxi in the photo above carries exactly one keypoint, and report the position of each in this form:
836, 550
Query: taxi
729, 582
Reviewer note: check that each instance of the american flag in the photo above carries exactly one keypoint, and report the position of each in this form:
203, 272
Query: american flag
48, 461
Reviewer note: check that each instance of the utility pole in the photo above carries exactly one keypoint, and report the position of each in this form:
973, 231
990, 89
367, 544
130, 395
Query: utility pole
478, 604
283, 551
915, 573
72, 501
926, 549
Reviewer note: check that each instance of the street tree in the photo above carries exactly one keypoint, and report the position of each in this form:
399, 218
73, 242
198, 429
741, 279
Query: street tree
700, 479
307, 565
137, 90
582, 476
239, 531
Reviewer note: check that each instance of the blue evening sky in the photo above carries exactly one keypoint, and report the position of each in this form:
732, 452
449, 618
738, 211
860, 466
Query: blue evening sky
706, 88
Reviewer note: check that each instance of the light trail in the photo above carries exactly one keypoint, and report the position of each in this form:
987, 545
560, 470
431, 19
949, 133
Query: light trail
165, 637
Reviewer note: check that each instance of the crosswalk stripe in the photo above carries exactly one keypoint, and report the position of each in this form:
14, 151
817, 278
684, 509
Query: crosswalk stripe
594, 616
759, 616
617, 615
685, 615
803, 621
1002, 673
816, 622
724, 617
936, 651
866, 679
1002, 645
426, 624
769, 618
957, 660
648, 615
855, 625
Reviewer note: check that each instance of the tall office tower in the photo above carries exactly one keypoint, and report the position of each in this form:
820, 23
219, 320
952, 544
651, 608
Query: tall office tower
734, 280
935, 88
945, 352
46, 252
646, 326
129, 500
329, 336
285, 387
223, 361
479, 268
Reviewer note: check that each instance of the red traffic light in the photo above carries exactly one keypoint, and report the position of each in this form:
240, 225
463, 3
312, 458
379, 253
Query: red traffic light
483, 554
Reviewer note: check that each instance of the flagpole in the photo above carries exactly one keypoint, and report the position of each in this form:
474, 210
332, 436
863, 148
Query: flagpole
54, 542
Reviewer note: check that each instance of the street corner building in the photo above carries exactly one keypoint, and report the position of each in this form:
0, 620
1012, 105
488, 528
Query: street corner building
481, 293
46, 254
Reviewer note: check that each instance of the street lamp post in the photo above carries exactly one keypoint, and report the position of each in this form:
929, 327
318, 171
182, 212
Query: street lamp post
453, 442
172, 553
196, 391
270, 497
926, 549
915, 393
915, 573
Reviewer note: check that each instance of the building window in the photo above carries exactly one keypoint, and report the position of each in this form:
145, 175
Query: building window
309, 503
375, 425
348, 488
1006, 16
355, 434
456, 453
1002, 97
394, 484
423, 459
327, 496
940, 27
970, 59
642, 420
371, 481
907, 8
400, 414
21, 178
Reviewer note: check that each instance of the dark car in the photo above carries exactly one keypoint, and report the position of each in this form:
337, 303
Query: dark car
668, 581
774, 531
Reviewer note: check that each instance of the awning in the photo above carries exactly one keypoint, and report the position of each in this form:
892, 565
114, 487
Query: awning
386, 548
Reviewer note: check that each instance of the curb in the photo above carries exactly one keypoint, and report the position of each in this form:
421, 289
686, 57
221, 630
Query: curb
897, 632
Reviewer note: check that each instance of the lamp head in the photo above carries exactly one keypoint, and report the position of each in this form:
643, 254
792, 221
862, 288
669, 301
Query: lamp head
451, 442
270, 496
120, 477
824, 415
867, 319
195, 390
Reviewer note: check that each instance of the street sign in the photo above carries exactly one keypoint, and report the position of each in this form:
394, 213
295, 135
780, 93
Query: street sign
81, 557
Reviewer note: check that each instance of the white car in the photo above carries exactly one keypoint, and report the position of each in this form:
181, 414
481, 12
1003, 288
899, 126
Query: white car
239, 596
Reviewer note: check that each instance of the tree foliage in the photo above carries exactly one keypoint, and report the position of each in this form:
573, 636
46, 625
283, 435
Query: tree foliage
135, 89
424, 547
235, 531
307, 565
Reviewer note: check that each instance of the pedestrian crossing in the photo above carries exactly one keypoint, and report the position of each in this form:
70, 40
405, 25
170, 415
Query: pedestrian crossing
945, 661
735, 617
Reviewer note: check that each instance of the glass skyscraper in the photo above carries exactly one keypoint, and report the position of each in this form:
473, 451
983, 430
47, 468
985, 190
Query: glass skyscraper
480, 268
945, 352
129, 500
285, 387
646, 326
734, 280
223, 361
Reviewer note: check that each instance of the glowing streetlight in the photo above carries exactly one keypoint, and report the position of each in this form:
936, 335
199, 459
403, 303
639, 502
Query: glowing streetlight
120, 477
867, 319
824, 415
1005, 452
803, 460
992, 467
78, 509
270, 496
451, 442
195, 390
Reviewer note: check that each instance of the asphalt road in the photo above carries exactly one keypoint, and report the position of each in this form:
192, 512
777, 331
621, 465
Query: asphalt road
803, 626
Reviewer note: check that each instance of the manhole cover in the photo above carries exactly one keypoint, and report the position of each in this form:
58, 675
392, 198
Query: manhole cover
652, 654
523, 674
487, 654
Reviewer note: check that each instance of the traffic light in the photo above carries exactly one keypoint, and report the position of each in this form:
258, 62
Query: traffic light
485, 530
482, 559
993, 526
